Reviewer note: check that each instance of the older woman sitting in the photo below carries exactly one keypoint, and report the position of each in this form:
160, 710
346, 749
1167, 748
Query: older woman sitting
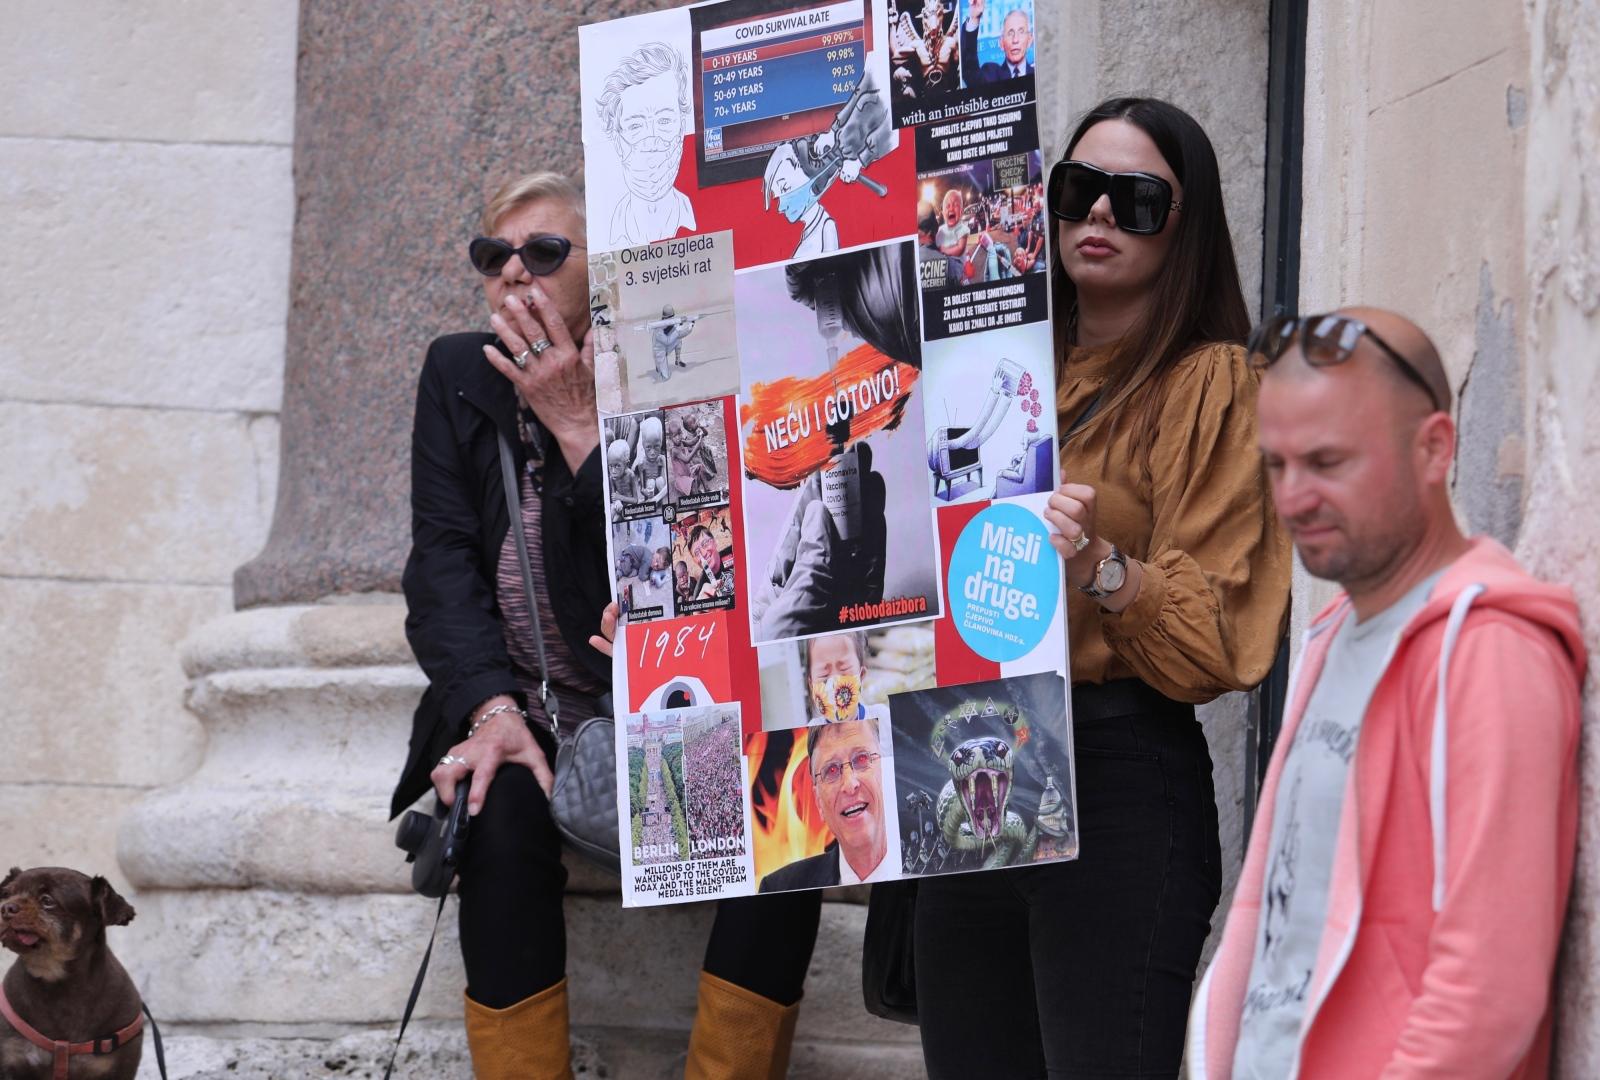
469, 624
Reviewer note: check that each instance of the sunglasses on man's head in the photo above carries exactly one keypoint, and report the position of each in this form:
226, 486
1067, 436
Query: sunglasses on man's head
540, 255
1325, 340
1140, 202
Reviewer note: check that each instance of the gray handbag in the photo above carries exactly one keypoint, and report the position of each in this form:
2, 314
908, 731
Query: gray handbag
584, 800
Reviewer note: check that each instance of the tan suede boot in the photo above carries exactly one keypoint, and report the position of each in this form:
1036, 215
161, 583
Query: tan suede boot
525, 1041
738, 1034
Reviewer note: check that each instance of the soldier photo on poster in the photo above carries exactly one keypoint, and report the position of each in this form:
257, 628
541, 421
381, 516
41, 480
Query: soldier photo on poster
665, 312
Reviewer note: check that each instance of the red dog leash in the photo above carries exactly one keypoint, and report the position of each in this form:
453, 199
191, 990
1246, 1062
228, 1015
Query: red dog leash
63, 1051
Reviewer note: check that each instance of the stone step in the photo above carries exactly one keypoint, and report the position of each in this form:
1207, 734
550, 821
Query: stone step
286, 959
437, 1050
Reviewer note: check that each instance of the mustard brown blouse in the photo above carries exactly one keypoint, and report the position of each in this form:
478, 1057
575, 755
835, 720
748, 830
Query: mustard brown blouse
1214, 599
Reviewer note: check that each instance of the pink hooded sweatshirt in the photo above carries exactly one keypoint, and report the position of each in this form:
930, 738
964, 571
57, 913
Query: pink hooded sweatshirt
1454, 849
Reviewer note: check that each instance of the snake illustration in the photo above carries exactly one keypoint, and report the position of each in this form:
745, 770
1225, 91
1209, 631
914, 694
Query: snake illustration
972, 812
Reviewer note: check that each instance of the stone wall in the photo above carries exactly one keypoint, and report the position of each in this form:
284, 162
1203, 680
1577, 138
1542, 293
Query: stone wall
1412, 200
1452, 172
1560, 337
146, 202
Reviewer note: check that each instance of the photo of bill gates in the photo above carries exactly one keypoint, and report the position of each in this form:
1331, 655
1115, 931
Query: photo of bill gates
847, 769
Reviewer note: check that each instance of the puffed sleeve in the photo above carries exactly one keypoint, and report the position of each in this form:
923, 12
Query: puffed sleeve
1214, 596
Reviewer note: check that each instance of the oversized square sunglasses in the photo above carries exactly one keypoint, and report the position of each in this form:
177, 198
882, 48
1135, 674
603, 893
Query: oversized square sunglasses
1140, 202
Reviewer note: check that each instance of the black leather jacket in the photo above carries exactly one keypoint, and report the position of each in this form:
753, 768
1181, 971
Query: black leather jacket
458, 524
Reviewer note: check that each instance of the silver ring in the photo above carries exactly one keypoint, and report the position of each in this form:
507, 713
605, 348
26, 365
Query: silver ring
522, 358
1081, 542
538, 347
451, 759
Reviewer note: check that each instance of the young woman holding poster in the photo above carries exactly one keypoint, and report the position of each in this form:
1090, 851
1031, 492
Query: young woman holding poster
468, 621
1182, 591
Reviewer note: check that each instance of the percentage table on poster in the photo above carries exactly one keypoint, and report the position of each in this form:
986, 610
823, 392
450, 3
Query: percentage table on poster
755, 83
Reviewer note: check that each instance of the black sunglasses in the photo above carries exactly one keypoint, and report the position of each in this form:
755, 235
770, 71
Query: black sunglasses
540, 254
1325, 340
1140, 202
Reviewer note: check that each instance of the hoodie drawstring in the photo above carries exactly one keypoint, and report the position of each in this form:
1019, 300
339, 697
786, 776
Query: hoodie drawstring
1441, 724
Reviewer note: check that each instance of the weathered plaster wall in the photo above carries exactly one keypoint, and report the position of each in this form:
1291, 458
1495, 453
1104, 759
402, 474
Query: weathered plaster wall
1452, 172
145, 202
1414, 149
1561, 339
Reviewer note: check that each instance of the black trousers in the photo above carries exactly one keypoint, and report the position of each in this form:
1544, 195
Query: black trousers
514, 936
1083, 968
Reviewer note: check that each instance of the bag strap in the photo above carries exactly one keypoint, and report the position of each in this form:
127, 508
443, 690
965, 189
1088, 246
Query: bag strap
508, 470
1084, 417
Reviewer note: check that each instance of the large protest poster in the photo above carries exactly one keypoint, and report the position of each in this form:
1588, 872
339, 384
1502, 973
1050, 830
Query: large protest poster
817, 249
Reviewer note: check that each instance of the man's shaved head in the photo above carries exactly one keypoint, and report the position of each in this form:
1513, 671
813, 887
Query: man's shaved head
1358, 454
1409, 340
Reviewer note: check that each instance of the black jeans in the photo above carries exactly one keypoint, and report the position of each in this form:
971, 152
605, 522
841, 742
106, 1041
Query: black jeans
1083, 968
513, 934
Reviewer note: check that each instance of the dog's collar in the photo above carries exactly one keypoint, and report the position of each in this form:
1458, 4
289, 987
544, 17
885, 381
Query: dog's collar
63, 1051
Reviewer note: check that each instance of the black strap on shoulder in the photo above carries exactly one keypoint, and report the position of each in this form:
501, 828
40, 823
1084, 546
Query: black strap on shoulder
1084, 417
411, 1002
508, 469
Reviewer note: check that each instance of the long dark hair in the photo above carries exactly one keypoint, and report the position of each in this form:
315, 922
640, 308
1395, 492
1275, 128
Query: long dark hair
1196, 298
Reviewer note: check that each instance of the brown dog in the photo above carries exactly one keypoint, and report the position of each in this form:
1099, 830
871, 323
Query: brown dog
66, 986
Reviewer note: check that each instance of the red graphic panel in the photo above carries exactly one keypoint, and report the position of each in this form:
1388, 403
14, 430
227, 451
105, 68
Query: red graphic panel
760, 233
956, 662
676, 663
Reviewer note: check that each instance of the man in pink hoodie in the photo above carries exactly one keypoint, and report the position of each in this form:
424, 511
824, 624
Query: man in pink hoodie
1402, 897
